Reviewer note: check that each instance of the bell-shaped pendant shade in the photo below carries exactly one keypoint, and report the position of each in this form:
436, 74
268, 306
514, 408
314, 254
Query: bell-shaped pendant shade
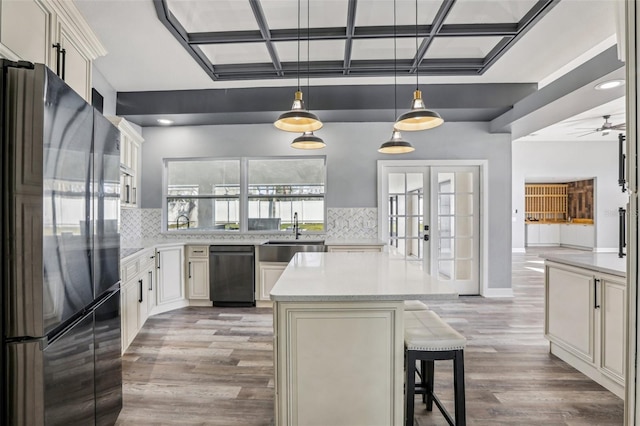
396, 145
418, 117
308, 141
298, 119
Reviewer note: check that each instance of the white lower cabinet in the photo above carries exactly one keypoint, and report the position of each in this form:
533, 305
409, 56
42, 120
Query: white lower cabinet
269, 273
198, 275
585, 322
169, 278
137, 294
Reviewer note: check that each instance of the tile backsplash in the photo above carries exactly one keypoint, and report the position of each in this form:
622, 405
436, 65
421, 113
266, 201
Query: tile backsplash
144, 225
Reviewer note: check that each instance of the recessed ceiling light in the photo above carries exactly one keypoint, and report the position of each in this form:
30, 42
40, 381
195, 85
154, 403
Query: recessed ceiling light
605, 85
164, 121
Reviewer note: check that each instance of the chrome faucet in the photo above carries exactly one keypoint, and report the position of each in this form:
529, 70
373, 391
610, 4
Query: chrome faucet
296, 228
178, 221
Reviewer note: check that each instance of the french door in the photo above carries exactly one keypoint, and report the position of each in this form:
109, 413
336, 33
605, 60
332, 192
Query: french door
431, 215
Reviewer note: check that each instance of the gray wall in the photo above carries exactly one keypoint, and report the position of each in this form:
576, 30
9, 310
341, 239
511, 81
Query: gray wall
106, 90
351, 164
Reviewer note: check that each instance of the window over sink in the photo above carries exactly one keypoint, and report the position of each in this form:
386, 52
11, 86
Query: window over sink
259, 195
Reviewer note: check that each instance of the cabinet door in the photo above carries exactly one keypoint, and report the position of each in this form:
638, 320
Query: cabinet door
129, 297
25, 31
198, 275
269, 273
77, 66
169, 277
143, 303
569, 319
613, 311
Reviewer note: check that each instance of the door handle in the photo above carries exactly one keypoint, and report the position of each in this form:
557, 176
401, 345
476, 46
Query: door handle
57, 47
140, 299
595, 293
189, 269
158, 260
150, 280
425, 237
64, 60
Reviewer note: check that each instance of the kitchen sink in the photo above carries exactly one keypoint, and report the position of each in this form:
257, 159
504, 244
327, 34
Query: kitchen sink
284, 250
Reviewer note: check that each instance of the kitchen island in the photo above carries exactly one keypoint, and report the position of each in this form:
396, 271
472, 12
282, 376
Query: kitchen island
339, 336
586, 314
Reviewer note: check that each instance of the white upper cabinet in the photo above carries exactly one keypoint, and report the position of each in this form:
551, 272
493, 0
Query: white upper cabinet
130, 148
52, 32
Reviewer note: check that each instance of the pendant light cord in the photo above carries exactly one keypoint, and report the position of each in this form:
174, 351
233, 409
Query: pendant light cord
395, 66
308, 60
298, 45
417, 62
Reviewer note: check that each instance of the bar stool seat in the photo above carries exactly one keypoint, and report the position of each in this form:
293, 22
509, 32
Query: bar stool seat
427, 339
415, 305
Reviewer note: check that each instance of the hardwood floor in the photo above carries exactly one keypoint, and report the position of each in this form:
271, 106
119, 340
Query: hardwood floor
214, 366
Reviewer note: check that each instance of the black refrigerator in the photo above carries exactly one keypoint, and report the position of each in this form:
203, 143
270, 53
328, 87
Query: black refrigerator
60, 256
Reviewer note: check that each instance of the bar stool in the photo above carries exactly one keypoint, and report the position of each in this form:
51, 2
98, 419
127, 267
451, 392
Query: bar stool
428, 338
415, 305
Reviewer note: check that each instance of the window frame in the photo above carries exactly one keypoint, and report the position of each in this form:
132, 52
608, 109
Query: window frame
244, 197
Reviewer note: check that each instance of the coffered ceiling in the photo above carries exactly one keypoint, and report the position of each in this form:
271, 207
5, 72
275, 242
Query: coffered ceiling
263, 39
236, 61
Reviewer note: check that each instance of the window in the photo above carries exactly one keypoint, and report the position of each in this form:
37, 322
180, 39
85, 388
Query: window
248, 194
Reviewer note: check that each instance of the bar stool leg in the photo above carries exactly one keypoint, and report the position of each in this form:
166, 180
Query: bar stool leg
410, 386
458, 388
430, 377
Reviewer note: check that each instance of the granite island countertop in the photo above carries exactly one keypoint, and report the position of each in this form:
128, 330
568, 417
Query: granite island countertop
608, 263
322, 277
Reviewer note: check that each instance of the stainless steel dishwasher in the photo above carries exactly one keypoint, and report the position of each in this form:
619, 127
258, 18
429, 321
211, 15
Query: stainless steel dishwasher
232, 275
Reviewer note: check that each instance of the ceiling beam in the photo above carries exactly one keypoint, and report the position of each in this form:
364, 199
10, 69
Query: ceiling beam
256, 7
178, 31
350, 30
436, 26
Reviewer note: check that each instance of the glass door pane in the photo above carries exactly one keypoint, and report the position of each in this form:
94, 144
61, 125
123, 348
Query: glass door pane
455, 232
406, 209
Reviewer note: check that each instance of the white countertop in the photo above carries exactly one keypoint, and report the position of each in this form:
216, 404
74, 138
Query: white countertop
356, 277
608, 263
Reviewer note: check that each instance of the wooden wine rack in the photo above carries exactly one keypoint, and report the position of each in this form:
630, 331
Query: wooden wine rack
546, 202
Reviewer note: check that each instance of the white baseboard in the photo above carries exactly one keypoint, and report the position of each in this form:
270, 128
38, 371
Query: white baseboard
498, 292
200, 302
518, 250
605, 250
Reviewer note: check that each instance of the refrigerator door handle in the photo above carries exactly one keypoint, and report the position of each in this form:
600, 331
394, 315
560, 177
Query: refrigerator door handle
57, 47
64, 60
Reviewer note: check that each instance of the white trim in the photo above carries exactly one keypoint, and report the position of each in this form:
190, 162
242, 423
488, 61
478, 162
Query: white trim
498, 292
7, 53
603, 249
79, 27
518, 250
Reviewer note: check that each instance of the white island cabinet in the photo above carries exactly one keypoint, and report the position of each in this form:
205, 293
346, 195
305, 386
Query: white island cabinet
339, 337
586, 314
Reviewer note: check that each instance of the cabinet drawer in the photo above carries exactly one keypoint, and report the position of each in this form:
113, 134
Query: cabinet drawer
198, 251
130, 269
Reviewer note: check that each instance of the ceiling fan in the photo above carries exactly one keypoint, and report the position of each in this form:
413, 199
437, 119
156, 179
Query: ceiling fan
607, 127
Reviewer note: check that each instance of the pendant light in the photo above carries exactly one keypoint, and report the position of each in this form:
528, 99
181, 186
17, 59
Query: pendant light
298, 119
308, 140
418, 117
395, 145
